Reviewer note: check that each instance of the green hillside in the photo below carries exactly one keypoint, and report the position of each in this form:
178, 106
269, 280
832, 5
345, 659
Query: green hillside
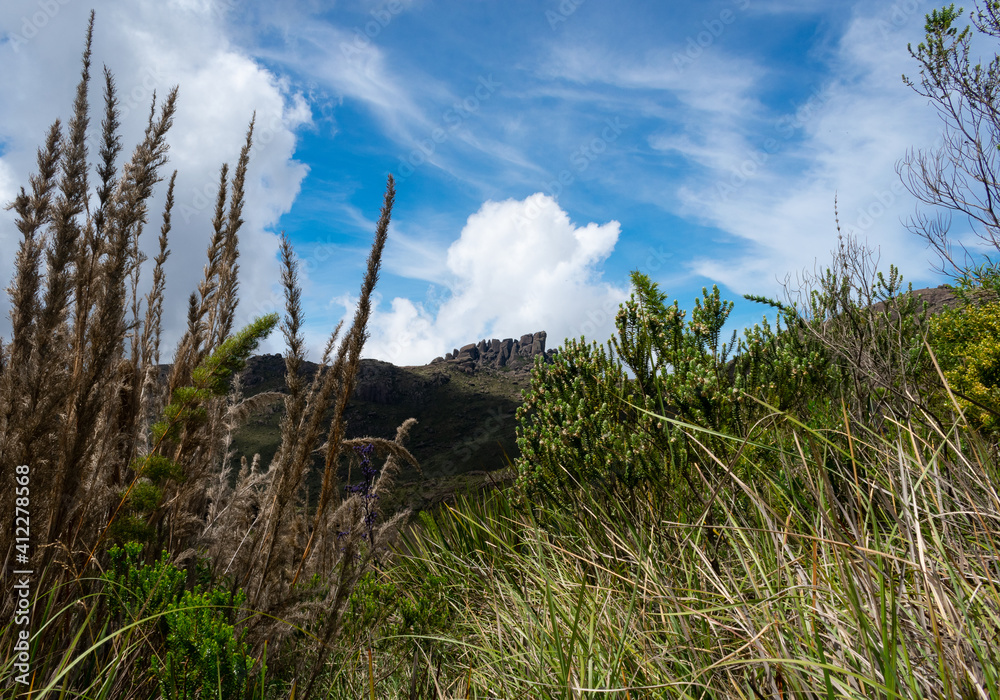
465, 422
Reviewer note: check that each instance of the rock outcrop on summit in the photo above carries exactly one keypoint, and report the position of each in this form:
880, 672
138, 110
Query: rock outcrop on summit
507, 354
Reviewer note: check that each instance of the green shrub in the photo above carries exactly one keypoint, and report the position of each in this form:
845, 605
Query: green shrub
855, 345
967, 344
587, 417
202, 655
574, 425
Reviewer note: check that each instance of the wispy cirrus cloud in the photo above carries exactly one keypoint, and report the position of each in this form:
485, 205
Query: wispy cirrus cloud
843, 142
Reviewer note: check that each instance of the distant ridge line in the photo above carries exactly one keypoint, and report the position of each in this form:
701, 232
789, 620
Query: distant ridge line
509, 353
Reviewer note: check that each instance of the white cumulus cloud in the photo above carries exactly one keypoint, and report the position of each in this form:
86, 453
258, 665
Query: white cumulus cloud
518, 267
150, 46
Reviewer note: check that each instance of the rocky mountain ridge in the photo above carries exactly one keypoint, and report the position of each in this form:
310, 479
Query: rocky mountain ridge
508, 353
464, 403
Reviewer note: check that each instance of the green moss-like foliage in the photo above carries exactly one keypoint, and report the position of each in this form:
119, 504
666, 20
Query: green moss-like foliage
204, 657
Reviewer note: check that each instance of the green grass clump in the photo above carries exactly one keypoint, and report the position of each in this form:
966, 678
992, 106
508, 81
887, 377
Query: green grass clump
885, 589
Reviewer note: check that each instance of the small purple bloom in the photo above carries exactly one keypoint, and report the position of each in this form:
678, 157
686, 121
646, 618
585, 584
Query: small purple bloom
365, 489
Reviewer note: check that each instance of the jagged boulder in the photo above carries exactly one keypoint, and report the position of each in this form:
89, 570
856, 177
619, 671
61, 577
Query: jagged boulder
506, 348
538, 343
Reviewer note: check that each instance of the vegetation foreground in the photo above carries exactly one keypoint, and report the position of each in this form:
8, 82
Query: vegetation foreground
809, 511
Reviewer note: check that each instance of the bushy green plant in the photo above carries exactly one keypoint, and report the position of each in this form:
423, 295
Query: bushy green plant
140, 590
589, 416
574, 424
967, 345
202, 654
855, 337
853, 342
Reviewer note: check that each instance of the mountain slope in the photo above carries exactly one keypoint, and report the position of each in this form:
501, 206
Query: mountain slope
464, 405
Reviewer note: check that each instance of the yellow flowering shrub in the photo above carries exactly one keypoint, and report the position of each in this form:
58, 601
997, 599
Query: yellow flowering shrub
967, 344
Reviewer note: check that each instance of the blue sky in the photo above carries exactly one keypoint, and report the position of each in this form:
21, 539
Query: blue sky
542, 149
